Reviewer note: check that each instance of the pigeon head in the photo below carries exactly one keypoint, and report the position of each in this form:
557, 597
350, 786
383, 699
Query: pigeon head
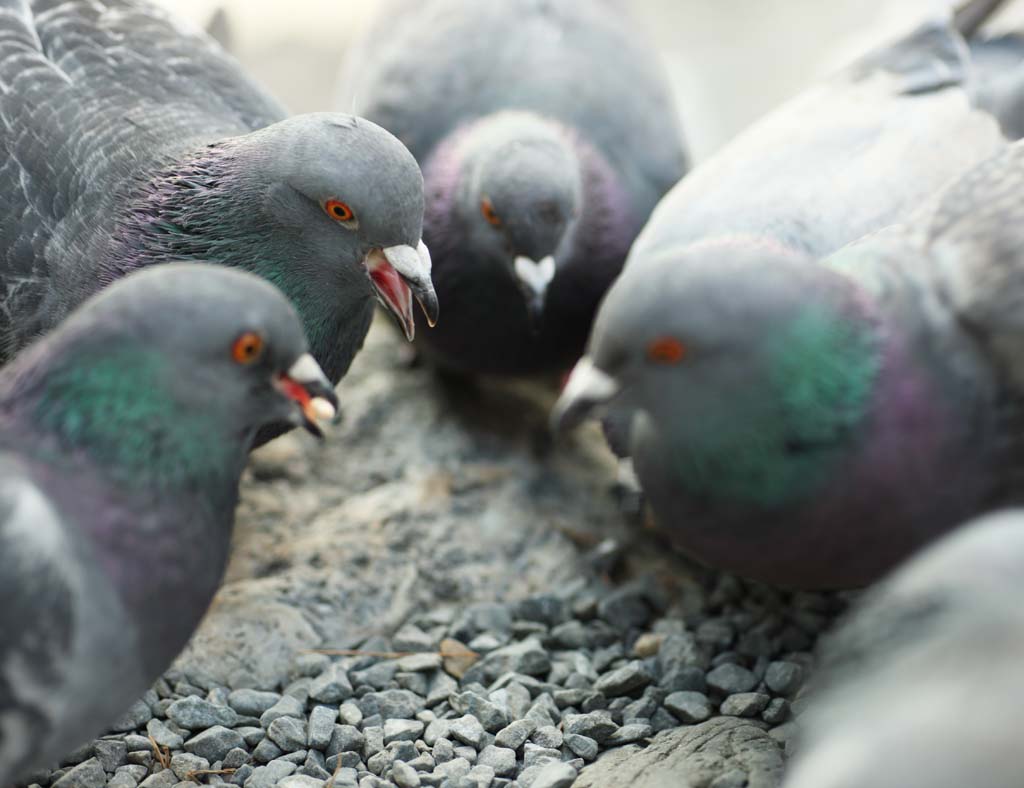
726, 345
169, 373
327, 207
517, 197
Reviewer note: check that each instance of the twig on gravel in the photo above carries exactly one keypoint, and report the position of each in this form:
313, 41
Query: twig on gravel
191, 776
354, 652
163, 754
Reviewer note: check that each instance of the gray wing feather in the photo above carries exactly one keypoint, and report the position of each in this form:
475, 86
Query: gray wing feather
37, 619
843, 159
93, 94
426, 67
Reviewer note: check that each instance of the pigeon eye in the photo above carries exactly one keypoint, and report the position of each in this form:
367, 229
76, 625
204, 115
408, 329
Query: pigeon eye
336, 209
247, 348
491, 215
666, 350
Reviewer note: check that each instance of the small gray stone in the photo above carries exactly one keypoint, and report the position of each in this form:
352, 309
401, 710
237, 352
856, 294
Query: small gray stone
183, 763
402, 730
331, 686
215, 743
270, 775
300, 781
321, 726
583, 746
547, 736
443, 750
252, 735
196, 714
624, 608
298, 757
629, 678
163, 735
164, 779
777, 711
111, 754
235, 758
784, 678
137, 773
89, 774
455, 768
266, 751
252, 703
135, 743
628, 734
288, 733
242, 773
689, 707
598, 725
133, 719
468, 730
467, 752
730, 679
491, 716
501, 759
534, 755
436, 730
555, 775
441, 687
122, 780
515, 734
349, 714
418, 663
745, 704
683, 679
288, 706
404, 775
481, 776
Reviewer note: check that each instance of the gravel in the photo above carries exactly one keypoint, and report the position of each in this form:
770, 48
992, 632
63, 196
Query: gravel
450, 672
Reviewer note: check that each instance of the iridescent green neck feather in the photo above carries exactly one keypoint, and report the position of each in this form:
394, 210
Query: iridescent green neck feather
781, 438
116, 407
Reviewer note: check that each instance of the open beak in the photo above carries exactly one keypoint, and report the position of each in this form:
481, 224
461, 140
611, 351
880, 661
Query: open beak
587, 388
534, 278
308, 386
398, 273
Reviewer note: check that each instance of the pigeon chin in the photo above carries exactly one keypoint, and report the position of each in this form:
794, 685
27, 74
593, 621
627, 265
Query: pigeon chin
305, 384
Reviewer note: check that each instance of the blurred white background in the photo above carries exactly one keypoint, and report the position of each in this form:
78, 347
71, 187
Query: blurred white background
729, 60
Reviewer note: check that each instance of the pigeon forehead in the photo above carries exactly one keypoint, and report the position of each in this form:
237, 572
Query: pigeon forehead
197, 302
329, 156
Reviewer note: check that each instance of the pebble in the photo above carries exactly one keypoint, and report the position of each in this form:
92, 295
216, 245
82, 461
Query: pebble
196, 714
745, 704
597, 725
547, 736
405, 776
331, 686
252, 703
133, 719
111, 754
630, 677
184, 763
689, 707
583, 746
164, 779
402, 730
215, 743
89, 774
515, 734
321, 726
730, 679
288, 706
288, 733
501, 759
555, 775
468, 730
784, 678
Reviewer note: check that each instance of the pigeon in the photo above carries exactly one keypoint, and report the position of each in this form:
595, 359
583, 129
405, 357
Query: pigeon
128, 140
920, 688
123, 435
809, 423
546, 134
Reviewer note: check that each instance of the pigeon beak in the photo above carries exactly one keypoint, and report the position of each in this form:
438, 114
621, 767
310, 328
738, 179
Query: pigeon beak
397, 274
306, 384
534, 278
587, 388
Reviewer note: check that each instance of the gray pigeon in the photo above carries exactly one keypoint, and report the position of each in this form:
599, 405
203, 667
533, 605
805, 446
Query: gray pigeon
811, 424
921, 687
123, 435
128, 140
546, 134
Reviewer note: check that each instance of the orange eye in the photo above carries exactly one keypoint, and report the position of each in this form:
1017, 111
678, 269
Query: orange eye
666, 350
491, 215
247, 348
336, 209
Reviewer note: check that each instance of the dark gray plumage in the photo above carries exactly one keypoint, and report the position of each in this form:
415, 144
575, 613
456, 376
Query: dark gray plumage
810, 425
546, 134
920, 687
128, 140
123, 435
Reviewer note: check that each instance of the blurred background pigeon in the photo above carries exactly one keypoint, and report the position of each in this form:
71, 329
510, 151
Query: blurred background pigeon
810, 425
128, 141
123, 435
546, 135
920, 687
